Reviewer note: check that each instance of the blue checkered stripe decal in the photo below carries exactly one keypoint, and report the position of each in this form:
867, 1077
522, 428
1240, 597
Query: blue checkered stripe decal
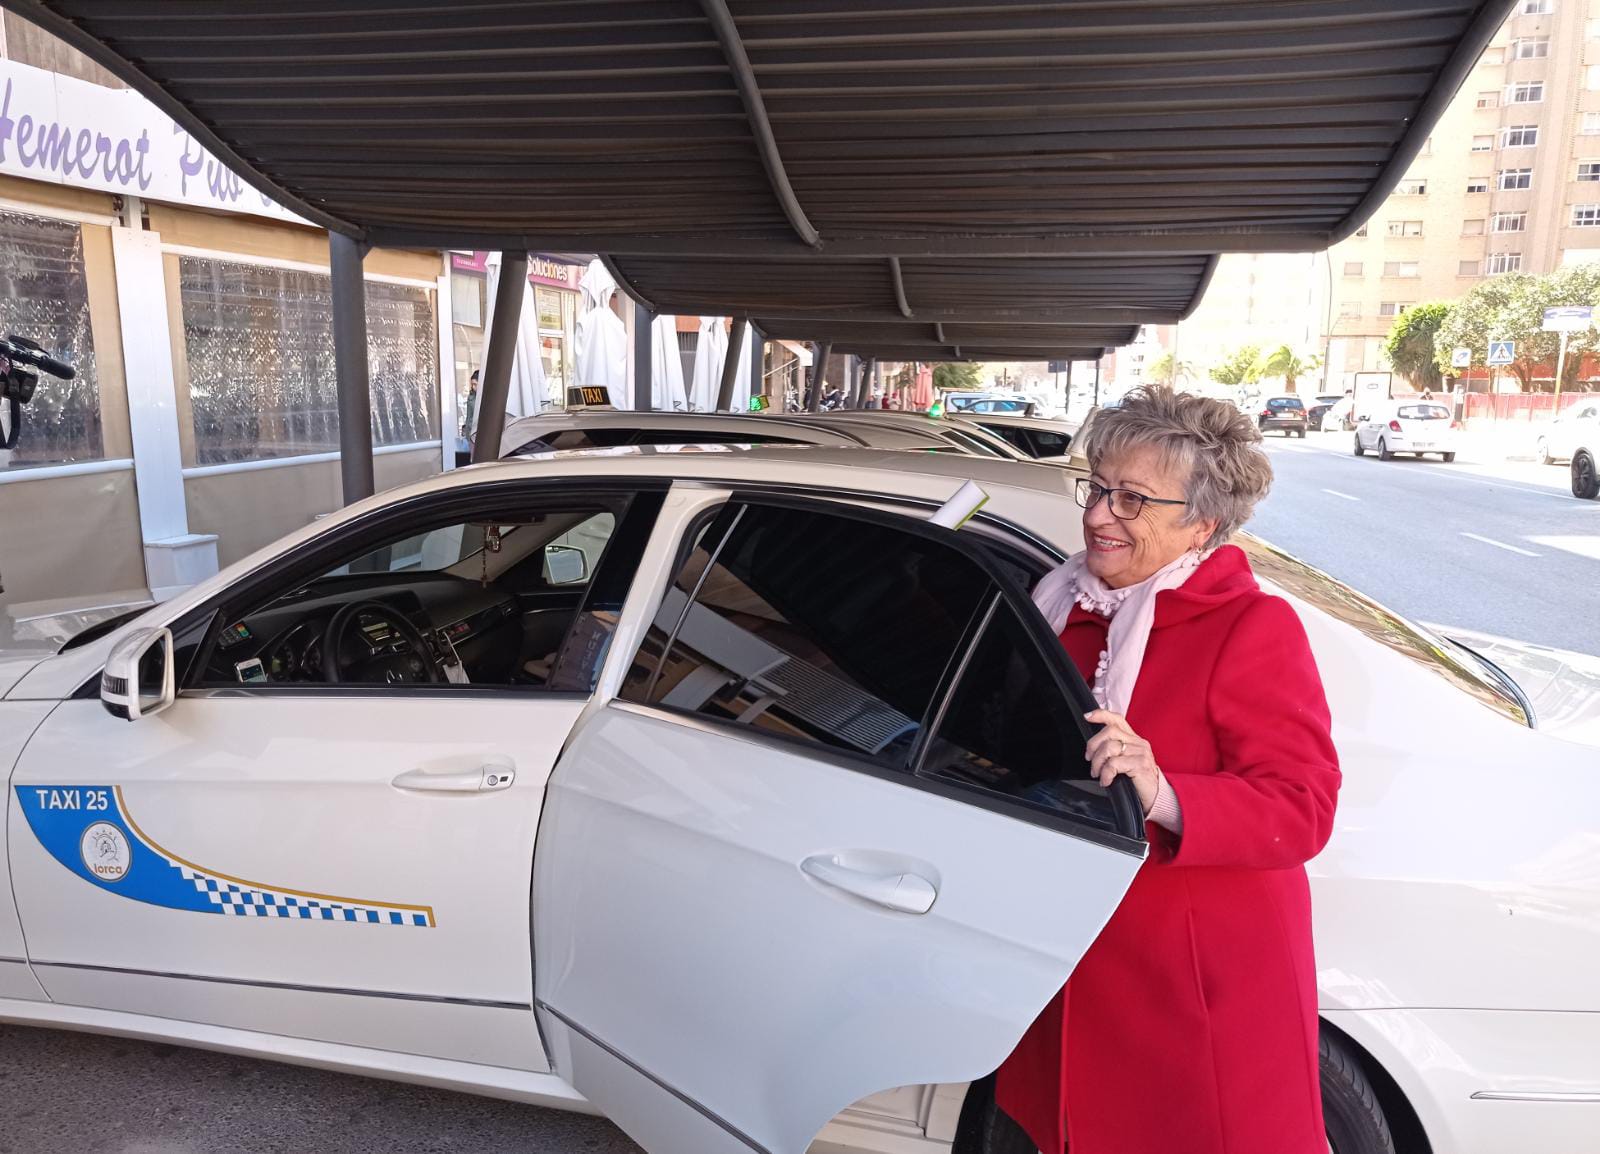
88, 829
242, 902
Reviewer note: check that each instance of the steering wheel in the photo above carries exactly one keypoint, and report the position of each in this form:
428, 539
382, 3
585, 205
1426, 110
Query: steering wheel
413, 664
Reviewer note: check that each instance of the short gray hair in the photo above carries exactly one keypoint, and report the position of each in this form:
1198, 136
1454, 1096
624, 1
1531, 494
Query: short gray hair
1213, 444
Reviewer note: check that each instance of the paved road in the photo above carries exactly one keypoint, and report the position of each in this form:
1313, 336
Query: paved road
64, 1093
1503, 548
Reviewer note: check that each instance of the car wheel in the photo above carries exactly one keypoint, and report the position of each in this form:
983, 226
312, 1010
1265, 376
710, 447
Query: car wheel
1448, 457
1541, 449
1301, 433
984, 1128
1352, 1117
1360, 452
1350, 1111
1383, 450
1585, 478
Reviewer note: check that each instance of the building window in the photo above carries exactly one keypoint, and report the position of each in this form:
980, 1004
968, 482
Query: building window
1512, 179
1538, 7
1483, 144
1352, 268
1401, 268
1362, 231
1530, 48
1591, 124
1392, 308
1508, 222
259, 345
1528, 92
46, 299
1519, 136
1589, 170
1404, 228
1467, 268
1586, 216
1488, 100
1350, 310
1477, 184
1472, 227
1493, 56
1499, 262
1411, 188
1591, 77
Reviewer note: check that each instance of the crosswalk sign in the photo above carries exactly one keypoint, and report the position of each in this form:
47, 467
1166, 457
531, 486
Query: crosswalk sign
1502, 352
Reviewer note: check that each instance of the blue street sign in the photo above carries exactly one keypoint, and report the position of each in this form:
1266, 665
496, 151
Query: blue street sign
1502, 352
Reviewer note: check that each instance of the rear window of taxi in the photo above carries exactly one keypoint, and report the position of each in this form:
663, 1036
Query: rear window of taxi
1423, 412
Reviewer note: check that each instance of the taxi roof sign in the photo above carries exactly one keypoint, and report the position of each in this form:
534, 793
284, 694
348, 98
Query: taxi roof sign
589, 397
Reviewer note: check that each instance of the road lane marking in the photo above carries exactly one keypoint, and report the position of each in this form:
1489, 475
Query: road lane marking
1500, 545
1588, 546
1346, 496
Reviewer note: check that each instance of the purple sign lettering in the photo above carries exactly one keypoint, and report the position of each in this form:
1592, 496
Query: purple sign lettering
54, 147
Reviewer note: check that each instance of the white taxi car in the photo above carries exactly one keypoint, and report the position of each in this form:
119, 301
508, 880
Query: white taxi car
741, 816
1410, 426
1561, 439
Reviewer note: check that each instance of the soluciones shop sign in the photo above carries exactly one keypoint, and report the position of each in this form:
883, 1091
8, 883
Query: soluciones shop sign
68, 131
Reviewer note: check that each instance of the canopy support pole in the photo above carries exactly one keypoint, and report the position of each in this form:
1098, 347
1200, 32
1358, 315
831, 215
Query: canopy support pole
345, 257
872, 381
644, 344
730, 364
819, 371
758, 362
495, 384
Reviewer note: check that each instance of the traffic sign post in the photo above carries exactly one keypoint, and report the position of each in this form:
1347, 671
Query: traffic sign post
1461, 358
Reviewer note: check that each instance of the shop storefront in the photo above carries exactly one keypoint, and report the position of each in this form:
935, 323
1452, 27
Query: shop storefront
202, 422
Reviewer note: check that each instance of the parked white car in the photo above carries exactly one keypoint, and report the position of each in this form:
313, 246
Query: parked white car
1418, 427
1560, 439
777, 865
605, 428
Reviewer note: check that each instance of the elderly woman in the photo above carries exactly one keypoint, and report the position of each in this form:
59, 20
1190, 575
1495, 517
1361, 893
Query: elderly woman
1190, 1027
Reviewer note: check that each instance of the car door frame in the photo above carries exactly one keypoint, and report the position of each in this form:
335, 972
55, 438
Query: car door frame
578, 1053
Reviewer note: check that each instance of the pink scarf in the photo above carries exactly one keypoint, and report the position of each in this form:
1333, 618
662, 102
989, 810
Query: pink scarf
1131, 610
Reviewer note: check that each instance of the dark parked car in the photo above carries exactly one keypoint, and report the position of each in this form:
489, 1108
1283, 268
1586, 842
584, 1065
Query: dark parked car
1286, 413
1319, 408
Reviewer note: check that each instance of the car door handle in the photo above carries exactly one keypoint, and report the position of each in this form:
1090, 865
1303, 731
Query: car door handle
477, 780
906, 892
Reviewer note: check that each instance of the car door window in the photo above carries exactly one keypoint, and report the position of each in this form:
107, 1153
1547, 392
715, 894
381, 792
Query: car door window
811, 626
1004, 733
524, 599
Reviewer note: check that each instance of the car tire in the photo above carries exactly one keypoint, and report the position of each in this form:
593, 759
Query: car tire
1351, 1114
1585, 476
984, 1128
1360, 452
1541, 450
1447, 457
1301, 433
1383, 450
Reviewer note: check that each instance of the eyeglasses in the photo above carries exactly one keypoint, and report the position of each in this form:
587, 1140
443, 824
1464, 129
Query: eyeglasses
1125, 503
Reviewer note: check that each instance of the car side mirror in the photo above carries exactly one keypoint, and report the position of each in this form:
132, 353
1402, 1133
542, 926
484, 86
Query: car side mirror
565, 565
139, 678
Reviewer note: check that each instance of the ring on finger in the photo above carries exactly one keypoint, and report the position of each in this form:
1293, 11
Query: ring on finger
1122, 747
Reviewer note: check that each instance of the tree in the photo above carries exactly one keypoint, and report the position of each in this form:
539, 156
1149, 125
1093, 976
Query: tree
1284, 362
1411, 346
957, 376
1238, 367
1511, 308
1163, 370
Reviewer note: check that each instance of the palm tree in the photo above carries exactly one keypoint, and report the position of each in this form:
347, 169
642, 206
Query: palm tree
1284, 362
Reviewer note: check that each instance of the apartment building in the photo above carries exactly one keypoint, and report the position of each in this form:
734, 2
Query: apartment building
1509, 181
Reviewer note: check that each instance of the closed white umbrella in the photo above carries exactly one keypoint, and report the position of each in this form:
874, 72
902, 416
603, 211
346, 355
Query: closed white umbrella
667, 366
741, 380
602, 337
528, 393
710, 346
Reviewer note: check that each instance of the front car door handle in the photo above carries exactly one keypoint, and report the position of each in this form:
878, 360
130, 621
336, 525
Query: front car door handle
477, 780
906, 892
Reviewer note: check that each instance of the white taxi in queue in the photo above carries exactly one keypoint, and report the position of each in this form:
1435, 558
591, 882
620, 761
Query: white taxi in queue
803, 770
1411, 426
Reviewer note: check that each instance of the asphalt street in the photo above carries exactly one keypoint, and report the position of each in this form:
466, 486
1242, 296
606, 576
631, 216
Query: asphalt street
1498, 547
67, 1093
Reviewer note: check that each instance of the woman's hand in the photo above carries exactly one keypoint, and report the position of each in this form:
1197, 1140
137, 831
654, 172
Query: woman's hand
1118, 749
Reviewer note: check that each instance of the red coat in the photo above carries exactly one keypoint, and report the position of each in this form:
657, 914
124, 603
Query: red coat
1190, 1026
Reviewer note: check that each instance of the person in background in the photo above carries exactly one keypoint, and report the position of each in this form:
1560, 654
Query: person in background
1190, 1025
469, 414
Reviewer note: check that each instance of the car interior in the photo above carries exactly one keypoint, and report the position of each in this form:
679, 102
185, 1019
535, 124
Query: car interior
520, 602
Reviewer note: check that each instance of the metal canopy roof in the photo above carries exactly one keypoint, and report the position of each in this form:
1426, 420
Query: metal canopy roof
861, 127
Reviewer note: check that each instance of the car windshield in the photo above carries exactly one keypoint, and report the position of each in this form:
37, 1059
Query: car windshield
1285, 403
1426, 648
1424, 412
